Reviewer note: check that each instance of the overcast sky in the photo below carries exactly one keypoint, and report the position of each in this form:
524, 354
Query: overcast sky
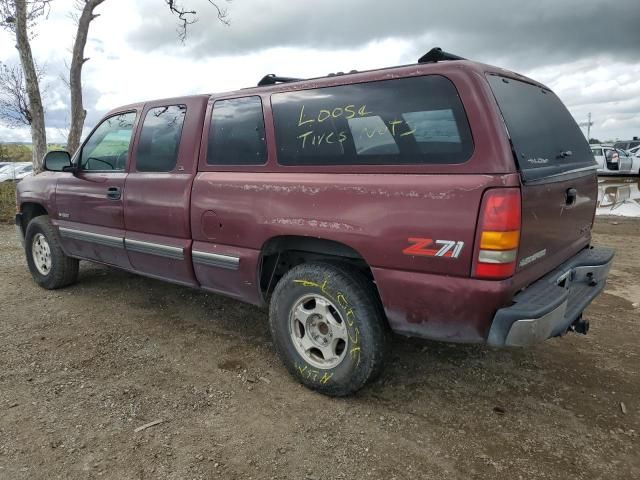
587, 51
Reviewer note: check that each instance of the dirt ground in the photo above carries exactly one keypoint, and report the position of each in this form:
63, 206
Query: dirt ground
82, 368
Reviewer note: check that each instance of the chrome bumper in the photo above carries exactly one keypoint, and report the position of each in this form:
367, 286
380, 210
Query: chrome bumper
548, 307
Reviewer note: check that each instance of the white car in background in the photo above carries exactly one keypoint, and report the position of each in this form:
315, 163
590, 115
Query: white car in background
635, 156
627, 144
613, 161
634, 150
15, 172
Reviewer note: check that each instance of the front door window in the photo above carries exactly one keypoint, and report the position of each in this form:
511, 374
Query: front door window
108, 147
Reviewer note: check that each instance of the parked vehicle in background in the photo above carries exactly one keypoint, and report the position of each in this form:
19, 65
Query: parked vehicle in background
635, 158
627, 144
14, 172
447, 199
613, 161
627, 165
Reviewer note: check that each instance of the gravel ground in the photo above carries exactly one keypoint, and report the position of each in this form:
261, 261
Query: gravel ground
82, 368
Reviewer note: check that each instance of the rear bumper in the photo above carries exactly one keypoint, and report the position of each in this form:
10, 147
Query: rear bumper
548, 307
19, 231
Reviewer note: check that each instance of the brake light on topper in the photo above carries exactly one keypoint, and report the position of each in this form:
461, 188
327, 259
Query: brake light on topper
498, 234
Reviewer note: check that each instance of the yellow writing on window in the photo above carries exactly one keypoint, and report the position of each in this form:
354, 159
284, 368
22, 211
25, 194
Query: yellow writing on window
347, 111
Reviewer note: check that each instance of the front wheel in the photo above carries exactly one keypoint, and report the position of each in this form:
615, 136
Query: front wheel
49, 266
328, 327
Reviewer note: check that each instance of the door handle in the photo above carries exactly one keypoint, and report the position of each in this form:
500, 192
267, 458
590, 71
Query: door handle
114, 193
571, 196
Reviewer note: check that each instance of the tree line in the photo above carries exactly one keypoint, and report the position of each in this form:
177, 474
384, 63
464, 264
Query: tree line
15, 152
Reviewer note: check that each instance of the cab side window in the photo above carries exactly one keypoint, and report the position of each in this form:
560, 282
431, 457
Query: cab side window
160, 139
107, 148
406, 121
236, 136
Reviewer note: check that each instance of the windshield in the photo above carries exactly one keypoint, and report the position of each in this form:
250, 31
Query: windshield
545, 138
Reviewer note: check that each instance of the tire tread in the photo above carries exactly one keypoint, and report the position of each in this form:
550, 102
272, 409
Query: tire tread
64, 270
350, 278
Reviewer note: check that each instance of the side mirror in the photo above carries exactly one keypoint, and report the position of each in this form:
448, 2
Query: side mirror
57, 161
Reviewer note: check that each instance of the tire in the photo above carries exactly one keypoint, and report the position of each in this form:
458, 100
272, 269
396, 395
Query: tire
341, 357
60, 271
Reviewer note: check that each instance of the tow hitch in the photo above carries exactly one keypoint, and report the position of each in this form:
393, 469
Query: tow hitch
580, 326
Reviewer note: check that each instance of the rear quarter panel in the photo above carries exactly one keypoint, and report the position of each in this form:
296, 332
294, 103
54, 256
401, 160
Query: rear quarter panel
373, 214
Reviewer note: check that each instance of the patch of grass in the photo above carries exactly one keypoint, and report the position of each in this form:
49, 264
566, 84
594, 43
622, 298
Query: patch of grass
7, 202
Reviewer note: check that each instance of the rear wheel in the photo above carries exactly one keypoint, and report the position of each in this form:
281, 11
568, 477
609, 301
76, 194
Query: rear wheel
49, 266
328, 327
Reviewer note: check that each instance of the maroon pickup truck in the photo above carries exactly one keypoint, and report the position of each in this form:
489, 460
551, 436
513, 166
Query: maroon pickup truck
447, 200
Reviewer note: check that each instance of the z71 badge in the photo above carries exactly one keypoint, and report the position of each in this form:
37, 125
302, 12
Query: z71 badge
426, 247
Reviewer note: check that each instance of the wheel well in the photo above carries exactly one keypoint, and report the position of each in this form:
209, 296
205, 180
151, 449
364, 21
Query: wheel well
29, 212
281, 254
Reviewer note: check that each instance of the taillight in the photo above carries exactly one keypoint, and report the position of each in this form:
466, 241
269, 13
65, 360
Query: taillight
498, 234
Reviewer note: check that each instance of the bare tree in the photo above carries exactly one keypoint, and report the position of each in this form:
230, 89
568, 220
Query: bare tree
78, 113
18, 16
189, 17
86, 7
14, 101
15, 110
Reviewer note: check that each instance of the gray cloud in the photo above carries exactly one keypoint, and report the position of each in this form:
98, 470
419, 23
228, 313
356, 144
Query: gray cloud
586, 51
56, 101
522, 34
